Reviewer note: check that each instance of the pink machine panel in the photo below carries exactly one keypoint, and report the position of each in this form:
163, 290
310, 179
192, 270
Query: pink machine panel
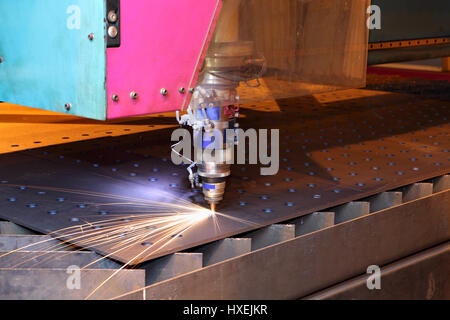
162, 50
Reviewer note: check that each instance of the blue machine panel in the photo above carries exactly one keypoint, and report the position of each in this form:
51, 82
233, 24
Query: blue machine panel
48, 59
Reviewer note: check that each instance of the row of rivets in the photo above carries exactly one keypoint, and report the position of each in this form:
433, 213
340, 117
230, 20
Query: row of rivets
112, 32
134, 95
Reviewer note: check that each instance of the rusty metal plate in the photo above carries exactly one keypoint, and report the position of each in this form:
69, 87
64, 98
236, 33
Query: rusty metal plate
335, 148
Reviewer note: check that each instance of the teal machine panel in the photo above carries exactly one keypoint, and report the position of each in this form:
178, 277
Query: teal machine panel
53, 55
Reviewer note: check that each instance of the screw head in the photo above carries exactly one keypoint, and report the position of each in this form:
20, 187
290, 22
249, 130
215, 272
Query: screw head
112, 16
115, 97
164, 92
91, 36
68, 106
134, 95
182, 90
113, 32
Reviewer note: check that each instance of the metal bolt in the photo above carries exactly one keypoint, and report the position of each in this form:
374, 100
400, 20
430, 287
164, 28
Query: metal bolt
191, 90
91, 36
68, 106
182, 90
112, 16
115, 97
112, 32
134, 95
164, 92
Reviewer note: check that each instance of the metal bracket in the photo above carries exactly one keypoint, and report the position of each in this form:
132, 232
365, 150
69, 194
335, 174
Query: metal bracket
113, 23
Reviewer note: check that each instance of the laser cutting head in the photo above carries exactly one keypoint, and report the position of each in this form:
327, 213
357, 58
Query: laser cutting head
213, 152
214, 110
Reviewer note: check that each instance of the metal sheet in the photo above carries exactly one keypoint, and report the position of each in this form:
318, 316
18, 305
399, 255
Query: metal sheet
31, 243
23, 128
48, 60
27, 284
343, 151
54, 260
307, 264
424, 276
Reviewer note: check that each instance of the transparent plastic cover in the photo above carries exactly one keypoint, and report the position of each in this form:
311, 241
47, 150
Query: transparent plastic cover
271, 49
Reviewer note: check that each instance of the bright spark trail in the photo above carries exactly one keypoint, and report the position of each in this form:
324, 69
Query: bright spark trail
152, 224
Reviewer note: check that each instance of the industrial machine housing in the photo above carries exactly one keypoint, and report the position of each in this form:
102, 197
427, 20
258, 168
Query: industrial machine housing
112, 59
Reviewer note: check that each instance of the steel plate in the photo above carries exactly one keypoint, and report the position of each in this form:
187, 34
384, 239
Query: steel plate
331, 153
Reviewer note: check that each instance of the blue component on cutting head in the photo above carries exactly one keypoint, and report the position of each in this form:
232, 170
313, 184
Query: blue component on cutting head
208, 140
212, 113
209, 186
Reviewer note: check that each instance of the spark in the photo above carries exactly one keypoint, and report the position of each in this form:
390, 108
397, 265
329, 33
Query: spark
145, 227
